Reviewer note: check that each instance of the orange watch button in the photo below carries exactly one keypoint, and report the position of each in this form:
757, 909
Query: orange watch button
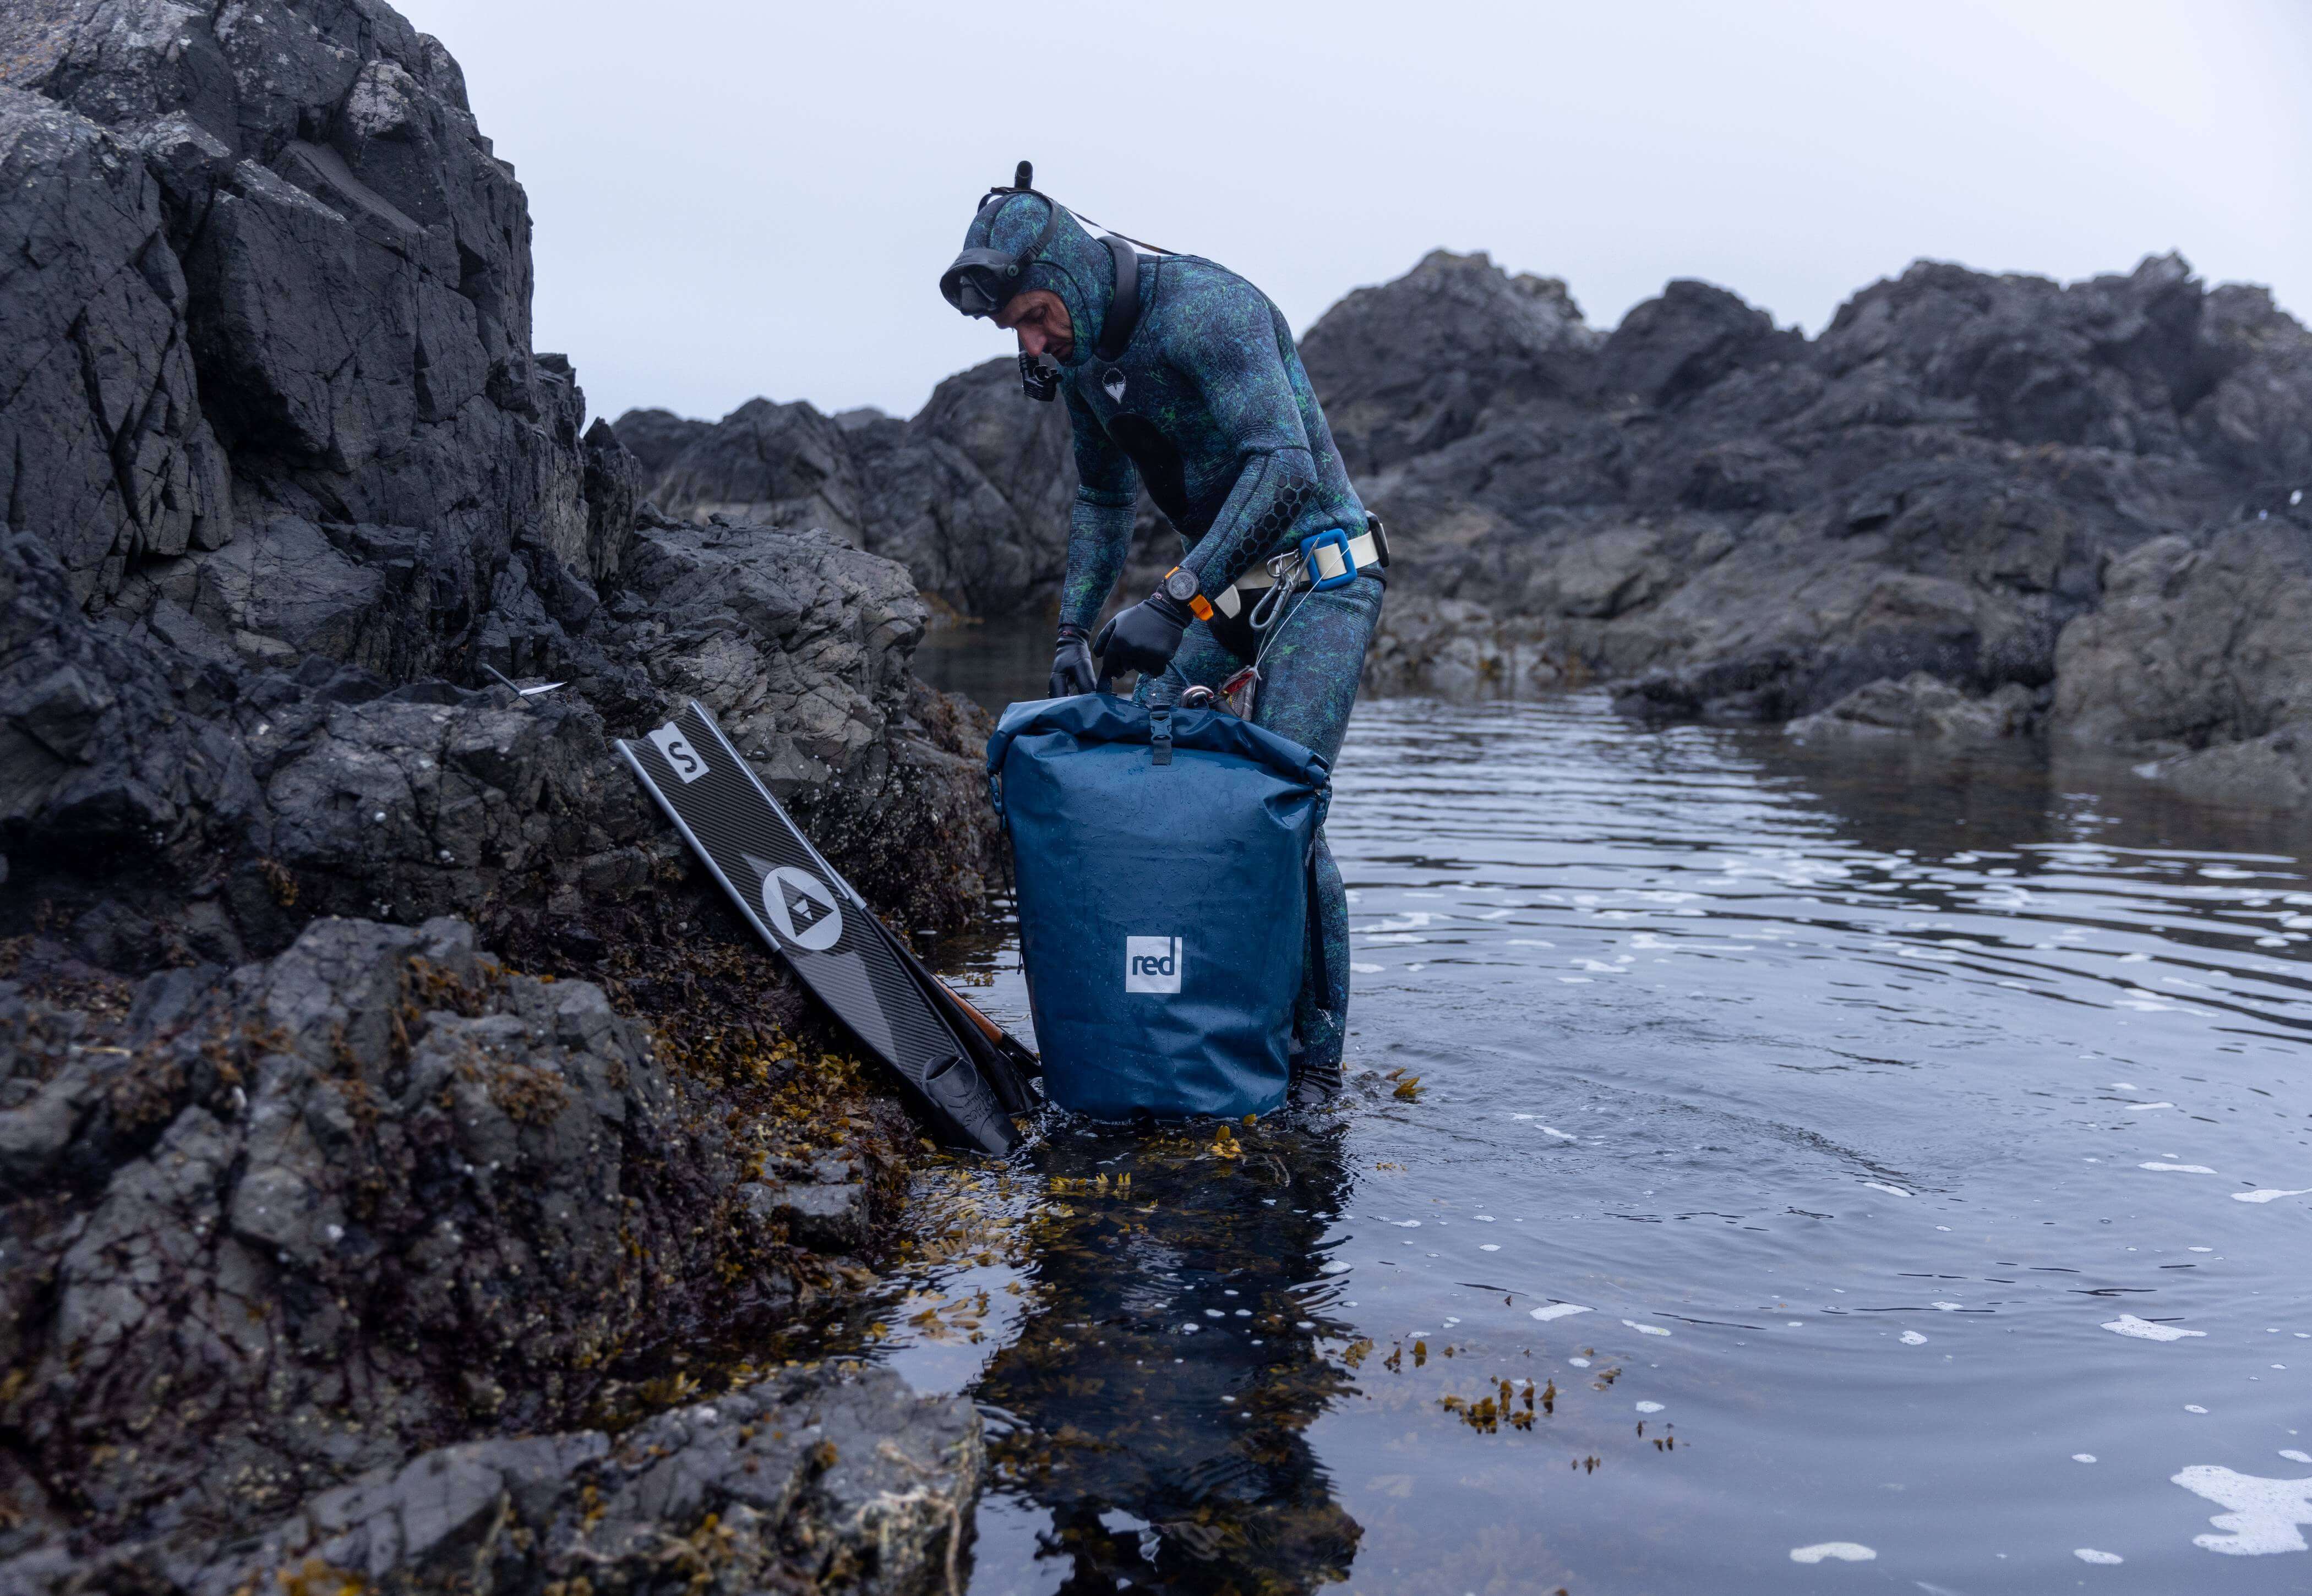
1201, 607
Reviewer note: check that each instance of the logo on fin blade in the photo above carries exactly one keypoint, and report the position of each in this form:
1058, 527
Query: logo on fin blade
800, 907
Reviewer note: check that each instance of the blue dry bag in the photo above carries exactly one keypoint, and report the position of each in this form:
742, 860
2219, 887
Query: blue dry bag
1162, 859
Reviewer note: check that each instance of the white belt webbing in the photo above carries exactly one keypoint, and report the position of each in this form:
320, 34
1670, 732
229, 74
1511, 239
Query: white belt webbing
1362, 550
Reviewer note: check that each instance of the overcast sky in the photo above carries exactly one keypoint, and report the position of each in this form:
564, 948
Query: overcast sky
733, 198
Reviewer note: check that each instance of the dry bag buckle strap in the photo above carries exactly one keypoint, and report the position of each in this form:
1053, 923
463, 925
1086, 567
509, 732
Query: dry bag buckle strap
1160, 734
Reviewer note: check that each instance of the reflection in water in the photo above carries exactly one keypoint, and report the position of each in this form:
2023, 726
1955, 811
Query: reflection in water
1156, 1399
1882, 1168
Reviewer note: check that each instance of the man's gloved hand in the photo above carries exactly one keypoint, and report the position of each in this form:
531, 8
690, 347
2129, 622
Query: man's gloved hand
1071, 671
1143, 638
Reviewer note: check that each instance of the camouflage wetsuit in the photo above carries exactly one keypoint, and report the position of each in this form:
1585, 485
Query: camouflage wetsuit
1208, 406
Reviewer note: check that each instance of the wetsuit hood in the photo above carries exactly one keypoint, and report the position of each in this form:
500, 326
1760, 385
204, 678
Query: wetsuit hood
1071, 264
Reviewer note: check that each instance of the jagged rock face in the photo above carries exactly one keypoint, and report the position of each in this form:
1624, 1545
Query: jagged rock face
2201, 654
269, 269
1408, 368
1922, 706
971, 495
1746, 525
302, 1219
286, 482
656, 438
768, 465
812, 1480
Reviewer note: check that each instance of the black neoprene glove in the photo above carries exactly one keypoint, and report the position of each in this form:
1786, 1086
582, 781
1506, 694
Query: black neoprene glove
1071, 671
1143, 638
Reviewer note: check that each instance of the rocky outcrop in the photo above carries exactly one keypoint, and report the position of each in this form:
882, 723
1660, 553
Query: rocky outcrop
813, 1479
1923, 706
971, 495
2201, 656
289, 495
294, 1183
268, 1230
1746, 523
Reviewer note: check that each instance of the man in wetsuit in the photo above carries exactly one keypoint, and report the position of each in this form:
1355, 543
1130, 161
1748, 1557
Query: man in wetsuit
1180, 375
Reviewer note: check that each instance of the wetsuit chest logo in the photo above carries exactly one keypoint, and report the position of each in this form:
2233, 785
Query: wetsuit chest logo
1112, 381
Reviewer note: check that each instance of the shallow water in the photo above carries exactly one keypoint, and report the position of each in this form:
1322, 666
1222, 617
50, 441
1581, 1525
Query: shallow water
1835, 1146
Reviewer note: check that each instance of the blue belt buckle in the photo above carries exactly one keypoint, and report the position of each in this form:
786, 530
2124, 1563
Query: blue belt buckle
1334, 537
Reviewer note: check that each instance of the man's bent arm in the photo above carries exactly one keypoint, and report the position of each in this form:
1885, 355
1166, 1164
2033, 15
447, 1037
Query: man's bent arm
1100, 524
1241, 368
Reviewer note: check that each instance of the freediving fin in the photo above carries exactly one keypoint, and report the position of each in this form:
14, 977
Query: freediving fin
808, 914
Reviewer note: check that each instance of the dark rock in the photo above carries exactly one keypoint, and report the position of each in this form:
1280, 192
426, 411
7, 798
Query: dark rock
317, 1214
768, 465
1922, 706
971, 495
656, 438
1409, 368
1736, 523
2194, 644
288, 493
810, 1479
286, 470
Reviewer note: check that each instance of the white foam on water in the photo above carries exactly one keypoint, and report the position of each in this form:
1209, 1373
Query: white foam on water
1334, 1267
1483, 1218
1554, 1130
1549, 1311
1413, 920
2294, 1456
2265, 1513
2145, 1108
1576, 980
1394, 938
1883, 1186
2088, 1554
1365, 968
2143, 1330
1845, 1551
1488, 1246
1528, 942
1645, 1329
1946, 1307
2194, 1407
2199, 1249
2125, 1087
1913, 1338
2083, 1457
1650, 1406
1497, 914
2180, 1169
1406, 1224
2269, 1195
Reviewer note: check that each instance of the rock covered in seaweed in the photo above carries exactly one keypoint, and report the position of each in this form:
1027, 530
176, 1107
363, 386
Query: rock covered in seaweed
290, 1224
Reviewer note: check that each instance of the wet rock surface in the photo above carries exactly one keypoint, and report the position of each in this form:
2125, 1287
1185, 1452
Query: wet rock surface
814, 1480
295, 1182
271, 1229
